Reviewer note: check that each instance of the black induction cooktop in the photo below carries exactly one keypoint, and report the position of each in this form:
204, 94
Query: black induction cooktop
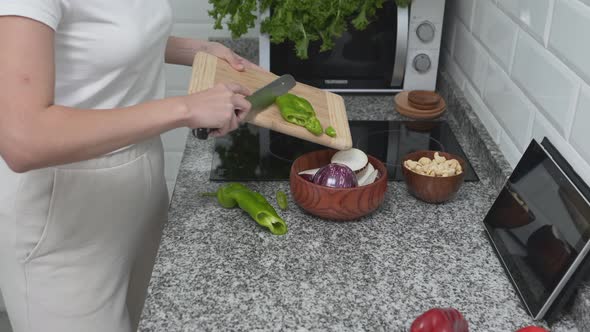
252, 153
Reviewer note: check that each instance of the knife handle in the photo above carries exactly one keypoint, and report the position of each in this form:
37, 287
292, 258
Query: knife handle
201, 133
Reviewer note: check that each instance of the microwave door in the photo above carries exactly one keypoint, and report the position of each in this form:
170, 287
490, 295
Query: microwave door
401, 48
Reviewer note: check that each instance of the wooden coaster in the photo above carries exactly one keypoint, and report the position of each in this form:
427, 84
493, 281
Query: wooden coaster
403, 107
421, 99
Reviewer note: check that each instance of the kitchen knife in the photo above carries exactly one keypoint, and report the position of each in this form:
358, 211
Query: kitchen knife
260, 99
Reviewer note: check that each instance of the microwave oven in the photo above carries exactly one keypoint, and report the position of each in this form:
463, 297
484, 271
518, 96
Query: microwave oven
398, 51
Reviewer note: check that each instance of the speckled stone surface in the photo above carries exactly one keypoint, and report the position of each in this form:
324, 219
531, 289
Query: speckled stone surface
218, 270
479, 139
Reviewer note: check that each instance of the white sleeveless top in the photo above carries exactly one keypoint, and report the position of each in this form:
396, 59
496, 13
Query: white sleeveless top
108, 53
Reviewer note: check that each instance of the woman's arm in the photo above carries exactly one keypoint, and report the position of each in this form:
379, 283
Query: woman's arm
36, 133
181, 51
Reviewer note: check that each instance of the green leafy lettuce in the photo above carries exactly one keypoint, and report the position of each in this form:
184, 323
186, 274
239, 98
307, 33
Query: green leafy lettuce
299, 21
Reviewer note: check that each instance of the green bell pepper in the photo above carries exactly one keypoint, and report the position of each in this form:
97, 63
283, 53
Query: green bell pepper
251, 202
299, 111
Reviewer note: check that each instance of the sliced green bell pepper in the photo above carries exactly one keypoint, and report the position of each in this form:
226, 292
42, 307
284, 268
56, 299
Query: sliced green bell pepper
314, 126
282, 200
299, 111
330, 131
251, 202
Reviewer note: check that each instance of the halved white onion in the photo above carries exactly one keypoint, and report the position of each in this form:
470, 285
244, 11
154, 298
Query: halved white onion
364, 174
370, 178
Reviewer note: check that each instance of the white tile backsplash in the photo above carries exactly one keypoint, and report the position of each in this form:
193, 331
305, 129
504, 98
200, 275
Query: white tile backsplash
465, 11
579, 137
532, 82
509, 105
547, 81
495, 30
470, 55
569, 35
530, 14
454, 70
485, 115
448, 38
510, 151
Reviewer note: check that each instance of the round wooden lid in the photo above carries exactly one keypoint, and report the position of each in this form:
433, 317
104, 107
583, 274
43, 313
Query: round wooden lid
426, 99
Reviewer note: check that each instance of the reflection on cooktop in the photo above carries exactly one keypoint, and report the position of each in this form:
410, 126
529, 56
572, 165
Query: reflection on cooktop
253, 153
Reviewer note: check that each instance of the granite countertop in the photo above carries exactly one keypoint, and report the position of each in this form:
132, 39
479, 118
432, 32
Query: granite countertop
218, 270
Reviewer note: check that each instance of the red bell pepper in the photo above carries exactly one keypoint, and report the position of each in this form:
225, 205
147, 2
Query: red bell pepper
440, 320
532, 329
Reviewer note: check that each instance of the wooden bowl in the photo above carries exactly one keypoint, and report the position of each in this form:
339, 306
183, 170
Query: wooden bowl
339, 204
432, 189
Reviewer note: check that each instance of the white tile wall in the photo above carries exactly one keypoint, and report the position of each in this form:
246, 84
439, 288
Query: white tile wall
535, 59
465, 11
470, 55
489, 121
495, 30
509, 105
453, 69
191, 21
532, 15
579, 137
569, 35
547, 81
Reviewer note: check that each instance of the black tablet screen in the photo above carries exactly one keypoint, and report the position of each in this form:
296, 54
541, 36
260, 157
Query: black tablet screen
539, 224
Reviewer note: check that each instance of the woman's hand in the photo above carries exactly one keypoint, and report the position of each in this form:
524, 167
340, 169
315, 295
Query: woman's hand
222, 107
181, 51
222, 52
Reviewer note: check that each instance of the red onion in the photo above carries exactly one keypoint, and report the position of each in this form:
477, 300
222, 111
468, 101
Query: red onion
335, 176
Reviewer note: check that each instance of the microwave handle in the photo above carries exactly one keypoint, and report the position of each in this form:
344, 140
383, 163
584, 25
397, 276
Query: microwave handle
401, 47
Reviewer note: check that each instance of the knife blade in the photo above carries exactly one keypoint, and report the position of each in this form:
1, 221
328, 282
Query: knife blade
260, 99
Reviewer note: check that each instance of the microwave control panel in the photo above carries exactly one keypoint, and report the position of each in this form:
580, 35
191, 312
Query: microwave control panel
425, 32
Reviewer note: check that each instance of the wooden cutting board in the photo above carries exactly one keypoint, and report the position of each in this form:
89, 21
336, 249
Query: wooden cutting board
208, 70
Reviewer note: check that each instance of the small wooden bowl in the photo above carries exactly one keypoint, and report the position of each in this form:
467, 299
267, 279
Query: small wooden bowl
339, 204
432, 189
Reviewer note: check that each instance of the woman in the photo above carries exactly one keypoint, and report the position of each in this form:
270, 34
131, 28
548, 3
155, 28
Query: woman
82, 194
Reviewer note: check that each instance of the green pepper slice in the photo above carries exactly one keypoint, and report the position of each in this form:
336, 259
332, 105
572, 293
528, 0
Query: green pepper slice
251, 202
282, 200
299, 111
314, 126
330, 131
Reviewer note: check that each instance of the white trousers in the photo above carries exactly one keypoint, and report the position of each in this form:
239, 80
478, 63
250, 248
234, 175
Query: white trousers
78, 242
